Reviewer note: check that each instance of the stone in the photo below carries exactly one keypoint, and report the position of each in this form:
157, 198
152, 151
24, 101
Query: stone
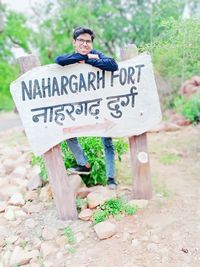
48, 248
31, 195
98, 197
3, 205
9, 214
9, 165
30, 223
32, 208
49, 233
45, 193
19, 172
61, 241
85, 214
8, 191
17, 200
34, 182
105, 229
20, 256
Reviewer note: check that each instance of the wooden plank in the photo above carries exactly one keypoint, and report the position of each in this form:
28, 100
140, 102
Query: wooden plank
63, 188
142, 188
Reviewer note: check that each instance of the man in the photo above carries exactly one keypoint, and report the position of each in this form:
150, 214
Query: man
84, 53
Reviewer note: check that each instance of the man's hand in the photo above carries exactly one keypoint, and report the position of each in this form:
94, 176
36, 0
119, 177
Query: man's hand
93, 56
82, 62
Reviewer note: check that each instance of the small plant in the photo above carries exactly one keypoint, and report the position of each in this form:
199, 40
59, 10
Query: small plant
130, 210
80, 203
70, 235
71, 250
114, 206
100, 216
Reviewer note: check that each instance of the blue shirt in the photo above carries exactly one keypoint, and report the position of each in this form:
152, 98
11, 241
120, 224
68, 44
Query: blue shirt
103, 63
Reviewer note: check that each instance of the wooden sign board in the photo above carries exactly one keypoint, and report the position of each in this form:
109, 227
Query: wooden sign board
56, 103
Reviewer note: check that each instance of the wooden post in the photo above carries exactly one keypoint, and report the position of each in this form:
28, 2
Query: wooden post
63, 187
142, 188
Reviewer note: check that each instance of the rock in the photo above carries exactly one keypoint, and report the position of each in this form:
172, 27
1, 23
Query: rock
34, 182
31, 195
45, 193
105, 229
30, 223
152, 247
140, 203
19, 172
9, 214
32, 208
3, 206
20, 214
49, 233
48, 264
17, 200
135, 242
85, 215
8, 191
99, 197
48, 248
61, 241
9, 165
83, 192
79, 237
20, 257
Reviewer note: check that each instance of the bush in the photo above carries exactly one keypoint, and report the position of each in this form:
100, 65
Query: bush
93, 148
189, 108
113, 206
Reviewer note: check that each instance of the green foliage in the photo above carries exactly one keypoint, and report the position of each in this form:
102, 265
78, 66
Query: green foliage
93, 148
189, 108
80, 203
115, 207
13, 33
70, 235
176, 50
130, 210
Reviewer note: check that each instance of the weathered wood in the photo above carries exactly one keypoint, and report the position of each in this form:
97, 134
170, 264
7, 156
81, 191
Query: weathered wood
63, 189
142, 188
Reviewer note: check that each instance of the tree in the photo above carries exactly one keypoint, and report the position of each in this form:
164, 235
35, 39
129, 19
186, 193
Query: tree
13, 33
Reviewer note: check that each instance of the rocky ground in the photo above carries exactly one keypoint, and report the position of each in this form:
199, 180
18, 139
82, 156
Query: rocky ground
164, 232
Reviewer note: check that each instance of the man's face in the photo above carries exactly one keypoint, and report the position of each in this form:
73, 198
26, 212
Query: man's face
83, 44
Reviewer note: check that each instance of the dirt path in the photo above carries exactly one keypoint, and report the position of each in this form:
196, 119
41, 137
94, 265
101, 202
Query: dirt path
166, 233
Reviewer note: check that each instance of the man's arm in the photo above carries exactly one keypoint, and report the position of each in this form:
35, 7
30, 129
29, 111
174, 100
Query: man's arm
102, 62
68, 59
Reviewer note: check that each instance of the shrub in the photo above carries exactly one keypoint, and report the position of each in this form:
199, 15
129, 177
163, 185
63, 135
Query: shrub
93, 148
113, 206
189, 108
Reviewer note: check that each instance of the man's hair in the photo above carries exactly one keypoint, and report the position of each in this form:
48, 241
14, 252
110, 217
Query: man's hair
81, 30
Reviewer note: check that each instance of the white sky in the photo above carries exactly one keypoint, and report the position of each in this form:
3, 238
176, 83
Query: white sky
21, 5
